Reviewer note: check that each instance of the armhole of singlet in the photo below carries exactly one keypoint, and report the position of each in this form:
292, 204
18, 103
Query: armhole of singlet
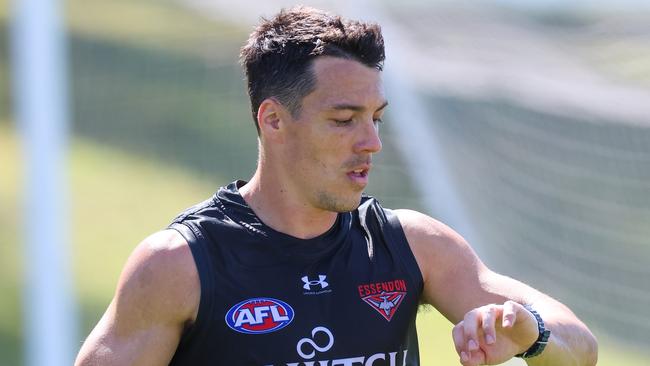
406, 254
201, 257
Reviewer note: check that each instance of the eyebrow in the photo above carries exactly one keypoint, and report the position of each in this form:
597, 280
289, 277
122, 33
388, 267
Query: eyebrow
356, 108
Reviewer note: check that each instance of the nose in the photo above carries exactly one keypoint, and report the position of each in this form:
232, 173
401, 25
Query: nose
369, 142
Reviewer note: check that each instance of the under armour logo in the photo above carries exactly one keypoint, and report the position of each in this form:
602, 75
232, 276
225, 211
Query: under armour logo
319, 282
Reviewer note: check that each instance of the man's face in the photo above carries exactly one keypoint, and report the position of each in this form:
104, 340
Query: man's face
329, 146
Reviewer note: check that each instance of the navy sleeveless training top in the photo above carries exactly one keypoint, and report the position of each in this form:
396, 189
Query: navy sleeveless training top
347, 297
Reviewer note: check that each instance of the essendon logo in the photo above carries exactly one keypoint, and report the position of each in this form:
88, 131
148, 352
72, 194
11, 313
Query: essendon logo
259, 315
385, 297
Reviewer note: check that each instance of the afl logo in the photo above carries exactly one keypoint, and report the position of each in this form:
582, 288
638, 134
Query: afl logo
259, 315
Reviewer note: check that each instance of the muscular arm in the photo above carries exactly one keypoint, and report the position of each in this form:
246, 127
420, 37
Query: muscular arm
462, 288
156, 298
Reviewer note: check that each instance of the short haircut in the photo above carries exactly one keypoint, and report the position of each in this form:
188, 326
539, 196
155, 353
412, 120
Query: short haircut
278, 56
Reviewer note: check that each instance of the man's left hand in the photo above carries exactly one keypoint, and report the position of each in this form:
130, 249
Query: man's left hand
493, 334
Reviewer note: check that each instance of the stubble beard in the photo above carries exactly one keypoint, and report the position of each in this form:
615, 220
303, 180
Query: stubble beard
331, 202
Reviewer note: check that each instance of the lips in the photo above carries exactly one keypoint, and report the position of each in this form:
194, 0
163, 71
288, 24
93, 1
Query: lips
359, 174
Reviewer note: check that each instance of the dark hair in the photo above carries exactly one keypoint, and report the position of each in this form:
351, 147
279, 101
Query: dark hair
278, 56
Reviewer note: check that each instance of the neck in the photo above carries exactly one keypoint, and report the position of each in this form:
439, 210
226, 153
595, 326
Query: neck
281, 208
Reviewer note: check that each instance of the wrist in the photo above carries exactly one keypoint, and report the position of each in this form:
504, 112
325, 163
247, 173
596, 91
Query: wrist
542, 339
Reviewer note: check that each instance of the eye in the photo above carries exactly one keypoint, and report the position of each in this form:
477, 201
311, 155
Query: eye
342, 122
378, 121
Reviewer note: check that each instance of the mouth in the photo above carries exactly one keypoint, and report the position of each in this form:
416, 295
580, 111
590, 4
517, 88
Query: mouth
359, 172
360, 175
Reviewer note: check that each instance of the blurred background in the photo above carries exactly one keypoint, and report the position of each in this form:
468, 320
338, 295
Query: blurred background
525, 125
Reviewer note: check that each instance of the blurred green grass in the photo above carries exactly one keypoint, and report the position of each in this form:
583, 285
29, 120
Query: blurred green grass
616, 43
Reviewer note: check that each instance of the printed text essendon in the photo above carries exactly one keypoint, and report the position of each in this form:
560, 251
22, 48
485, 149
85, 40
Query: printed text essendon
379, 287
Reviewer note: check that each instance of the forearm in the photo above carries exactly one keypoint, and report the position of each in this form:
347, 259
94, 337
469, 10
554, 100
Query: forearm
570, 344
559, 352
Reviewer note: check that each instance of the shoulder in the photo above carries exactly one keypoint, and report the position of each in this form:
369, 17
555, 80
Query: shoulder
161, 275
442, 254
425, 233
155, 301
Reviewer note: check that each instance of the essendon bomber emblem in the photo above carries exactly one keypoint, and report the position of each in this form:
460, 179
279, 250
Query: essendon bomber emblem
385, 297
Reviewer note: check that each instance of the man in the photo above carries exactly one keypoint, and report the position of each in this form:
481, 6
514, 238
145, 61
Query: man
295, 267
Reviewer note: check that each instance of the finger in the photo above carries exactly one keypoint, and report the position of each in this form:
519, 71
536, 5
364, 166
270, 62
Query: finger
467, 358
458, 336
509, 314
470, 326
489, 323
476, 358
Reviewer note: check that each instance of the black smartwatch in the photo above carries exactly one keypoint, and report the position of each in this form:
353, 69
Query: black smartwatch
544, 334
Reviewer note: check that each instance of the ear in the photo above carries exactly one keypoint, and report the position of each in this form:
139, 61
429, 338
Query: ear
270, 116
